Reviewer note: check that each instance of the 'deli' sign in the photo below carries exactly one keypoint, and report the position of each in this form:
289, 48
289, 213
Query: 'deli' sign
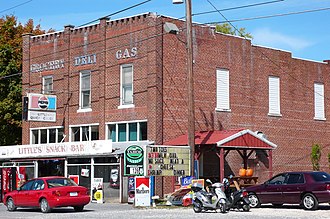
133, 161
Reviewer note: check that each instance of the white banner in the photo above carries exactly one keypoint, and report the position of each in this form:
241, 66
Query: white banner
65, 149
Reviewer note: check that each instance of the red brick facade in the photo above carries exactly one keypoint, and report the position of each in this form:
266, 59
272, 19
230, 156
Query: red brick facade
160, 85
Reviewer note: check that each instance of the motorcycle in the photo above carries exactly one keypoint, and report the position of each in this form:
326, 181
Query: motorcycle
236, 199
205, 201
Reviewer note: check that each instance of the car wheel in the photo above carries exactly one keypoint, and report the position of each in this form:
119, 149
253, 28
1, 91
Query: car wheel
44, 206
78, 208
11, 205
310, 202
254, 200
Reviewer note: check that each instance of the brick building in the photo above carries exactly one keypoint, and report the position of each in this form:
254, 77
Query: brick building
125, 80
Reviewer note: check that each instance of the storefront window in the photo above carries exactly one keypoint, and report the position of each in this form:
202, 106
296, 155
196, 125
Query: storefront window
35, 136
75, 133
60, 135
132, 131
52, 135
43, 136
85, 133
143, 131
122, 132
95, 133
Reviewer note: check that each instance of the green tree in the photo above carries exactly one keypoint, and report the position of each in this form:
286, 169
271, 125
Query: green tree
10, 77
228, 29
316, 156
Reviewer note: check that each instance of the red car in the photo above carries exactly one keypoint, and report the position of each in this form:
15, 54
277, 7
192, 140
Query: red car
305, 188
47, 193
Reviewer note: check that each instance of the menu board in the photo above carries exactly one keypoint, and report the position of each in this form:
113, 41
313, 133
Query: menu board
168, 160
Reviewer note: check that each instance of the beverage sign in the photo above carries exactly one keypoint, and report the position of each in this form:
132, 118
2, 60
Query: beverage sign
168, 160
134, 158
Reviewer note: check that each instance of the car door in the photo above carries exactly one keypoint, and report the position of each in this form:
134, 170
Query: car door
293, 187
35, 192
271, 191
23, 194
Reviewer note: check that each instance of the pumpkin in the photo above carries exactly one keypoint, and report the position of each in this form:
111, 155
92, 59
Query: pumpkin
242, 172
249, 172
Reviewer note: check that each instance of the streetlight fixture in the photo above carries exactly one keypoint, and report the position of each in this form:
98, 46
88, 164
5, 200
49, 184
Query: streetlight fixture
190, 77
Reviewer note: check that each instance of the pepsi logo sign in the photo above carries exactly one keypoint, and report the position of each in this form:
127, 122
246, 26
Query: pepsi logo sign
43, 102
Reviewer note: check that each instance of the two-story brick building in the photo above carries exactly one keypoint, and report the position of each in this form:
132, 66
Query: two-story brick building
125, 80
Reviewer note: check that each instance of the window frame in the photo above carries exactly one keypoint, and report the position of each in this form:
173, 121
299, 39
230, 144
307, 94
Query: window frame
122, 93
319, 104
81, 90
139, 134
39, 130
80, 128
222, 90
274, 96
45, 90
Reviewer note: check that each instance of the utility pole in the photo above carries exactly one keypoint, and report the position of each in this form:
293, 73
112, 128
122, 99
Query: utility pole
191, 105
190, 79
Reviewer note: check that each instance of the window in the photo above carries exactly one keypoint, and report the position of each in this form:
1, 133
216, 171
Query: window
277, 180
84, 133
85, 90
123, 132
47, 84
126, 90
222, 77
47, 135
295, 178
319, 101
274, 96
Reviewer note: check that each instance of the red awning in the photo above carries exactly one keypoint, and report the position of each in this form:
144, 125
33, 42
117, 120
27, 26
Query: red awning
237, 138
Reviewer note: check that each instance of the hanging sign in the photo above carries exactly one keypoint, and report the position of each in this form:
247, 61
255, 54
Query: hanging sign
134, 158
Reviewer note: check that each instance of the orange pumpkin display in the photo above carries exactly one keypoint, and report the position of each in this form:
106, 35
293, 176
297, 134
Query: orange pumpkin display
249, 172
242, 172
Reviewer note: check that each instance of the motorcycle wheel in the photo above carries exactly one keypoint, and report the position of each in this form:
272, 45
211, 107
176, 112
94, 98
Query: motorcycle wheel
223, 208
246, 207
197, 206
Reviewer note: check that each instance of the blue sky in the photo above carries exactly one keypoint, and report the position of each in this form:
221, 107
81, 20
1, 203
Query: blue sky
306, 35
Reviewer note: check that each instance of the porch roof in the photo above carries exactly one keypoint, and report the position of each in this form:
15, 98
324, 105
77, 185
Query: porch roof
235, 138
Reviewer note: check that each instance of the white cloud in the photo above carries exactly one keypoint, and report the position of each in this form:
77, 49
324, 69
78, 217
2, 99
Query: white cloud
266, 37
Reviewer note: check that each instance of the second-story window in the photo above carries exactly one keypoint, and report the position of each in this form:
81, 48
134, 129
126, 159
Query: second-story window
47, 84
126, 90
85, 90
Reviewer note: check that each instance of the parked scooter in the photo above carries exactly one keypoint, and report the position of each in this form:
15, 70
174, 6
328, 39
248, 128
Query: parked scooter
236, 199
205, 201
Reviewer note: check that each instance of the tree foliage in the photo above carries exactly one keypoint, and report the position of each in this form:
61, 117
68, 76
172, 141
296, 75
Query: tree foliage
316, 156
10, 77
228, 29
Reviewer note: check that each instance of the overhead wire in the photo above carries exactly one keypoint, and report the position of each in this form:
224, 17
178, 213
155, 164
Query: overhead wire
16, 6
268, 58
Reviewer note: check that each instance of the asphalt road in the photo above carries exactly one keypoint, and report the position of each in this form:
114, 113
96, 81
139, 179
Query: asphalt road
126, 211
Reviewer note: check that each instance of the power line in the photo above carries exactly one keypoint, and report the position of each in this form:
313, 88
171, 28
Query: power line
238, 7
16, 6
271, 16
274, 63
117, 12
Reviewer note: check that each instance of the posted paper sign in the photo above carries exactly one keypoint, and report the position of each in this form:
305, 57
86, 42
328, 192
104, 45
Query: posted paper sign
142, 191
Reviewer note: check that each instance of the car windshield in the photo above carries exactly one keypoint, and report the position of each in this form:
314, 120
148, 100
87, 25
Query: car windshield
321, 176
56, 182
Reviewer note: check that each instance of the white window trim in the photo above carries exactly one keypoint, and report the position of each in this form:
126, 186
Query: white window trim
319, 107
127, 130
47, 128
121, 105
274, 83
221, 104
83, 110
80, 127
43, 83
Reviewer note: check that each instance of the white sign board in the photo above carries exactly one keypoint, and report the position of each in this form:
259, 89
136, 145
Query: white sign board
97, 190
65, 149
142, 191
41, 116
